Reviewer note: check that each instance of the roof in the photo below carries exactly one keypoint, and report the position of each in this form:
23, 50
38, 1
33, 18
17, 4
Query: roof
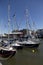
15, 33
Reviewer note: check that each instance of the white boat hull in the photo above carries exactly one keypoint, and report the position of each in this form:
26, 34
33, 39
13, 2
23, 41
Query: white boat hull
4, 52
29, 43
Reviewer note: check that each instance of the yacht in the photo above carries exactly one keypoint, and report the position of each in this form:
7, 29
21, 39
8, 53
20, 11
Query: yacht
16, 45
6, 52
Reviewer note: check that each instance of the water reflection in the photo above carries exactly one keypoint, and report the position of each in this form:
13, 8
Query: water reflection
1, 58
7, 61
6, 58
32, 50
10, 61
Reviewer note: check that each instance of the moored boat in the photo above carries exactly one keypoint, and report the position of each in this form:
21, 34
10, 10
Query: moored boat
16, 45
29, 43
6, 52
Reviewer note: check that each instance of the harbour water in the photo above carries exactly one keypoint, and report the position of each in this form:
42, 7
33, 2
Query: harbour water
26, 56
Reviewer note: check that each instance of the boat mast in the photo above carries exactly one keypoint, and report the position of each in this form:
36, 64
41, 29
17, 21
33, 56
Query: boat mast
27, 22
8, 18
16, 24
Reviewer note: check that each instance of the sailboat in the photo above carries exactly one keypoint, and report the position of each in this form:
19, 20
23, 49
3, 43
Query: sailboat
30, 42
15, 43
7, 50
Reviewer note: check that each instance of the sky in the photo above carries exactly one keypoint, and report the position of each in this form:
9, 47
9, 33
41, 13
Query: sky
18, 8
